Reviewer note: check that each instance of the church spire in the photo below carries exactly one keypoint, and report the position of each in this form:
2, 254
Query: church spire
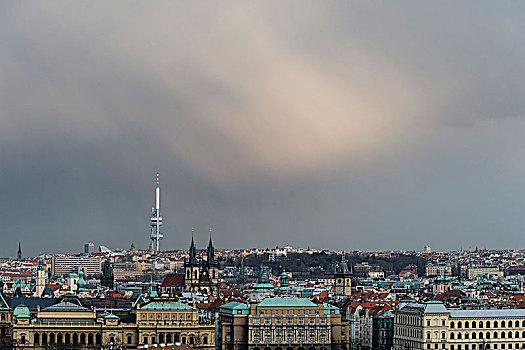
19, 254
210, 251
193, 250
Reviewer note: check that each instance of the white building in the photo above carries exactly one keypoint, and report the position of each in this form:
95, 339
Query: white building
432, 326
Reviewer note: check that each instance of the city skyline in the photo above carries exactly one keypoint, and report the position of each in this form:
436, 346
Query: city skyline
350, 126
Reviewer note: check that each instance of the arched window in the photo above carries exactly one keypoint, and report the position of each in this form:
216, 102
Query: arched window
451, 335
443, 335
517, 324
428, 335
495, 324
452, 324
37, 337
466, 335
473, 324
459, 335
523, 323
90, 338
487, 335
75, 338
466, 324
59, 338
495, 334
487, 324
517, 334
503, 334
82, 338
52, 338
459, 324
473, 335
68, 338
145, 340
129, 339
523, 334
480, 335
98, 339
161, 338
502, 324
44, 338
510, 334
480, 324
205, 339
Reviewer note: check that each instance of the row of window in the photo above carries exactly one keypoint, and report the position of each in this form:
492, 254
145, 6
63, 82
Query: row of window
503, 334
289, 339
487, 346
289, 320
487, 324
288, 312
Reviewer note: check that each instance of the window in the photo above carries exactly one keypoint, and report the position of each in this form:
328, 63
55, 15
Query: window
466, 324
495, 324
452, 324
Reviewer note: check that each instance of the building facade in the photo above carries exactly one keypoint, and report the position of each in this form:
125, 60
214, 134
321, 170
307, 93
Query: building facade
281, 323
62, 265
432, 326
69, 325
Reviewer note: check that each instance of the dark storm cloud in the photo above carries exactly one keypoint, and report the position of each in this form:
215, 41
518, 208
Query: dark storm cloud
334, 125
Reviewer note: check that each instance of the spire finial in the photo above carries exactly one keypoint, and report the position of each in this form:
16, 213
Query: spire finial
157, 178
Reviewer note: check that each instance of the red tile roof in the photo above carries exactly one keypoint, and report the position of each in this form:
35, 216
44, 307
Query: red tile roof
173, 280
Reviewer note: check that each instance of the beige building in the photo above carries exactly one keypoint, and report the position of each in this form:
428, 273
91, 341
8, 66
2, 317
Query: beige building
281, 323
70, 325
475, 270
432, 326
62, 265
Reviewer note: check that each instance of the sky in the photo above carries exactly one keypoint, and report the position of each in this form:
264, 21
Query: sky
336, 125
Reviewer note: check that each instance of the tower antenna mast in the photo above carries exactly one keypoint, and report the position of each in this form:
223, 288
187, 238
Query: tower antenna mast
156, 219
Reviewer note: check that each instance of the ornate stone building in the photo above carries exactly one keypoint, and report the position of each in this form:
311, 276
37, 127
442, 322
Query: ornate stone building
343, 278
69, 325
432, 326
198, 276
201, 275
281, 324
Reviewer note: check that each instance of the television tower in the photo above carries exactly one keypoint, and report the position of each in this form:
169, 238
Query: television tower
156, 220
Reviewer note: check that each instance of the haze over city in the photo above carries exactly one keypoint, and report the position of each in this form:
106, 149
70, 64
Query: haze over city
349, 126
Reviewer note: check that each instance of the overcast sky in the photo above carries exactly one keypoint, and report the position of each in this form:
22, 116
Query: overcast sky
340, 125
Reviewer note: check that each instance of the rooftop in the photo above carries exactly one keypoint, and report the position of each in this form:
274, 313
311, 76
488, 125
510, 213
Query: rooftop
286, 302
